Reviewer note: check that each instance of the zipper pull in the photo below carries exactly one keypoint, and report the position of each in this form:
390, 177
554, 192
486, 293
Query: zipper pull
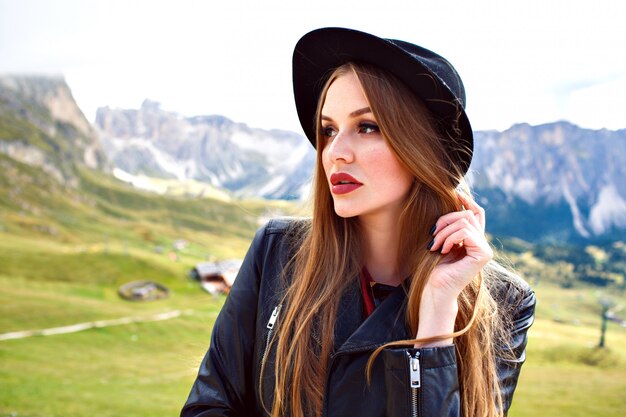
414, 370
273, 317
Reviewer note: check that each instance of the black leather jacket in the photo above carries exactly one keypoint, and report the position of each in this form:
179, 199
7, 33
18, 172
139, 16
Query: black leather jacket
228, 380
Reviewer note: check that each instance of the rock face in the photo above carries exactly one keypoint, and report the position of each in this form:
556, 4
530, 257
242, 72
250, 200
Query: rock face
41, 125
214, 149
554, 182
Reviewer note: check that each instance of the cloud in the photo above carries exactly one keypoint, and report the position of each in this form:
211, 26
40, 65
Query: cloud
571, 86
598, 105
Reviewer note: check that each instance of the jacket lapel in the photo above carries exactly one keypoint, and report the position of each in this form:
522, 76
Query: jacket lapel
385, 324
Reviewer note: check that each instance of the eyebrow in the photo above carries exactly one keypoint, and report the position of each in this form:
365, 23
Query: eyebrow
355, 113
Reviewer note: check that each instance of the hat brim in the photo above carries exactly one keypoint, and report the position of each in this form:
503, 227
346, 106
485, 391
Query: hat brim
319, 52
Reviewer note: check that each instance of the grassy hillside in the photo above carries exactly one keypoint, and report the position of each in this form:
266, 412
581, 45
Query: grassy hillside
104, 210
565, 373
64, 251
141, 369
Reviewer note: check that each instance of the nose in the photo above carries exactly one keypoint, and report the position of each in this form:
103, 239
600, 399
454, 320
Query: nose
340, 148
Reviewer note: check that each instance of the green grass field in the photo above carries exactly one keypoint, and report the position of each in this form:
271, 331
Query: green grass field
142, 369
565, 374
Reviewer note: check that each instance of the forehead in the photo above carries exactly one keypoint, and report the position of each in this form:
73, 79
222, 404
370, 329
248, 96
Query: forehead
344, 95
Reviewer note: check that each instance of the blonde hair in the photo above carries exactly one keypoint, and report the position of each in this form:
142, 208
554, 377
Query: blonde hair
329, 259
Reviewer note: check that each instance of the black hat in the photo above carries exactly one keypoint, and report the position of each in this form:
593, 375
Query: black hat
428, 75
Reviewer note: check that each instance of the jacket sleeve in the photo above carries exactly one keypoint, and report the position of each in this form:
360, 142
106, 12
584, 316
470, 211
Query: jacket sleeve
438, 394
224, 386
521, 300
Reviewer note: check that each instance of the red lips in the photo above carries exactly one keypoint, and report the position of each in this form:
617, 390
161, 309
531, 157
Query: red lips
343, 183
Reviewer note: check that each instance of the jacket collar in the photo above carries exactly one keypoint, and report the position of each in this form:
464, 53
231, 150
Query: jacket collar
385, 324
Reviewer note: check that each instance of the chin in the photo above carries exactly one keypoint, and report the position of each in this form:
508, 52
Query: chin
345, 212
345, 216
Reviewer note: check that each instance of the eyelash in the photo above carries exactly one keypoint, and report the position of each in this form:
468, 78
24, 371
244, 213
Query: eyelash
368, 125
326, 131
329, 132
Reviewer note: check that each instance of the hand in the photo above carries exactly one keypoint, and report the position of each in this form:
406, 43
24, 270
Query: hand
460, 238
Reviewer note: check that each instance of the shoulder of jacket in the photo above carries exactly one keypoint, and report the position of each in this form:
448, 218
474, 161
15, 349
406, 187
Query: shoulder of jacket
285, 225
281, 236
508, 287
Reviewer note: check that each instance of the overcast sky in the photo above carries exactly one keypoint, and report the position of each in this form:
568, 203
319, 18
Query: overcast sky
532, 61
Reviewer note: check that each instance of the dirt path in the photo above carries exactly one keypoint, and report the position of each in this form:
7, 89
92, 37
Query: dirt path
90, 325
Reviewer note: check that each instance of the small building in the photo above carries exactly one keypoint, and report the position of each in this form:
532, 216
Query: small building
143, 291
179, 244
216, 277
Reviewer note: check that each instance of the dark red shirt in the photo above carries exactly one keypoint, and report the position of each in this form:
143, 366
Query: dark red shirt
373, 293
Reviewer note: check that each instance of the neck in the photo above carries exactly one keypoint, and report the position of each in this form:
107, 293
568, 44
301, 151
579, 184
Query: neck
381, 239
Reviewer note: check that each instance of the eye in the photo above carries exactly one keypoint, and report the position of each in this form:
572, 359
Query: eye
328, 131
368, 128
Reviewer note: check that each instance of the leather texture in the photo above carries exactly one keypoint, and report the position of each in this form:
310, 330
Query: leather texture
228, 379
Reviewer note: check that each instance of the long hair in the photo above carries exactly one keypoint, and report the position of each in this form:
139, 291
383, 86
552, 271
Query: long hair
329, 259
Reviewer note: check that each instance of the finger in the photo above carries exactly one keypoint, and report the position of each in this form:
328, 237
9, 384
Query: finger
470, 204
466, 221
475, 246
456, 239
451, 218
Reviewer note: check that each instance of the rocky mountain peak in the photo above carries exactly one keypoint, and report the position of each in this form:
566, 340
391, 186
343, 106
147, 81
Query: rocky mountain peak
555, 165
213, 149
150, 105
52, 93
43, 126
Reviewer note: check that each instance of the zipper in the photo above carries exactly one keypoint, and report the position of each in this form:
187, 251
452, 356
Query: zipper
273, 317
415, 380
270, 330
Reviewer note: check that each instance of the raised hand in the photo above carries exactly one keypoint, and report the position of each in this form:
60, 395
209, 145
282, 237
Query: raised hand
460, 238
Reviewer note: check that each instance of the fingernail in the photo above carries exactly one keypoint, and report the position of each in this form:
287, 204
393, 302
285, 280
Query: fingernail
432, 230
430, 245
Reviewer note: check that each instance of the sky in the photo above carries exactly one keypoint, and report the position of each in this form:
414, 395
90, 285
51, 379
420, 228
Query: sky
532, 61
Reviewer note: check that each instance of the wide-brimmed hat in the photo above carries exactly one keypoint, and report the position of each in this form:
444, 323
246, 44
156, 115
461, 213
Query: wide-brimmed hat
431, 77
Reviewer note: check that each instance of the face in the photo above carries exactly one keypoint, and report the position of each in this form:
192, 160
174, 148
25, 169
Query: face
365, 177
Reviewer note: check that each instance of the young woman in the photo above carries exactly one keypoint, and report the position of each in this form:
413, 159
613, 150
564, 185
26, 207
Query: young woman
385, 302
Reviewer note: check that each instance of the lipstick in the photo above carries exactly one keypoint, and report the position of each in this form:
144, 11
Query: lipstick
342, 183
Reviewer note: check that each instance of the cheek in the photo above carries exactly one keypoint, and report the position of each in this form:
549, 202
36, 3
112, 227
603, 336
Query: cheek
384, 162
387, 166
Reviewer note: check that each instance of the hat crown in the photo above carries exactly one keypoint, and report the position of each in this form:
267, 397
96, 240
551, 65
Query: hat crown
438, 65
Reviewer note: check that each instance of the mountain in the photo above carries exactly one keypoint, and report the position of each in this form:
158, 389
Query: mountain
41, 125
213, 149
554, 183
63, 214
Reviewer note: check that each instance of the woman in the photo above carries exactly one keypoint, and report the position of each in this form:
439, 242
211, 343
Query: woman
385, 303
